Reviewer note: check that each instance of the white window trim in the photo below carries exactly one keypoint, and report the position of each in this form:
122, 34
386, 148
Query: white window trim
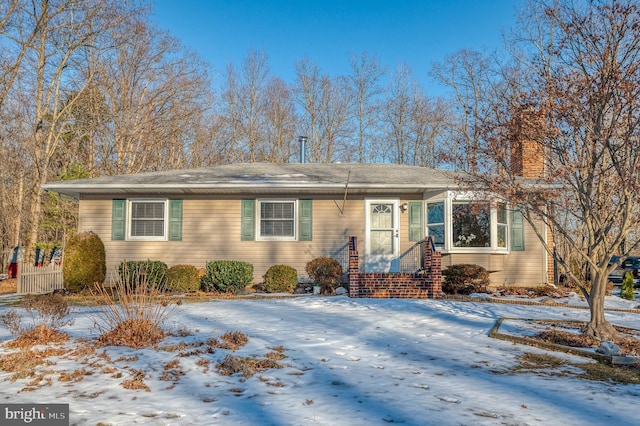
165, 237
494, 224
448, 198
258, 220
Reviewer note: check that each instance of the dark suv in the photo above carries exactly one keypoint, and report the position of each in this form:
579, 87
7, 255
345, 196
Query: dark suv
630, 264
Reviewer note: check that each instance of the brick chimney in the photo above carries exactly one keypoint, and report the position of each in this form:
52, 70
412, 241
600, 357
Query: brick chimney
526, 138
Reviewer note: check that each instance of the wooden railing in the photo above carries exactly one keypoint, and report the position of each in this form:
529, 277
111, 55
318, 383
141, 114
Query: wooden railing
39, 279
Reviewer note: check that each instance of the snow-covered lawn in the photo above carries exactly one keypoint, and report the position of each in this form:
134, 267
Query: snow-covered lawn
349, 362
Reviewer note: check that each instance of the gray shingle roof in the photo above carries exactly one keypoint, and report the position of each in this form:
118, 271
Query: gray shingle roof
268, 178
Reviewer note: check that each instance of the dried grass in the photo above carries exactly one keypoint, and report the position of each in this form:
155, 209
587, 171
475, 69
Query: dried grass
38, 335
548, 365
232, 365
137, 382
24, 363
246, 366
275, 356
629, 345
47, 314
83, 351
533, 292
130, 314
204, 363
172, 371
48, 309
231, 340
75, 376
133, 333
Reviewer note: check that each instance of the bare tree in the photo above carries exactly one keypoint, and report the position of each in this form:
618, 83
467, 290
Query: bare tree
429, 120
415, 125
229, 117
17, 34
398, 110
365, 89
48, 73
89, 85
326, 107
468, 74
153, 91
281, 122
308, 93
580, 110
246, 102
335, 107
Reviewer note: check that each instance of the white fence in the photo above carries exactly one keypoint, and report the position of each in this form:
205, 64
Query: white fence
39, 279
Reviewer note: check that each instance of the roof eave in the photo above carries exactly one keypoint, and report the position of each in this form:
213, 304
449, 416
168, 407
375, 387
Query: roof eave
322, 188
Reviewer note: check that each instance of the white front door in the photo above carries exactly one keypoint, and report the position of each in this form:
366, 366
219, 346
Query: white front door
382, 239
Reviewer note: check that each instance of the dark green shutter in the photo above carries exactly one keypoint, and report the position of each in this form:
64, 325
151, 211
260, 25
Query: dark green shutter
248, 226
416, 221
517, 231
118, 219
175, 220
305, 220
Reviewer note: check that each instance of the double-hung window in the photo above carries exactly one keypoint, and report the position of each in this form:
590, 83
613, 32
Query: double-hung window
277, 219
502, 225
273, 219
435, 222
147, 219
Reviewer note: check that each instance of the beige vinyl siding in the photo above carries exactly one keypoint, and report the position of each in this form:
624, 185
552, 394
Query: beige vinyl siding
211, 231
518, 268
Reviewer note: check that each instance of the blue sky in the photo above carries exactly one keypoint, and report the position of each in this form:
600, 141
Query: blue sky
327, 32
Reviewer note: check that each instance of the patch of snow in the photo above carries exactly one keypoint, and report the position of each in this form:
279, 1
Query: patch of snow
349, 362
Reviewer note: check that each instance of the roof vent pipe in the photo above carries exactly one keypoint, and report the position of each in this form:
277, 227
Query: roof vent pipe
303, 148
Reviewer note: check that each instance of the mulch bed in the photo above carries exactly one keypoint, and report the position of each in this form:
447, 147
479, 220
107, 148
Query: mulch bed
629, 343
9, 286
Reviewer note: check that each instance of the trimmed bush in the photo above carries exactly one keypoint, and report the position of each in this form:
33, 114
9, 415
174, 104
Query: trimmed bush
227, 276
626, 291
280, 279
152, 273
325, 271
84, 262
464, 278
184, 278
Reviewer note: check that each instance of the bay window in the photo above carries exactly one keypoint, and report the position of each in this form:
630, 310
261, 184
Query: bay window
460, 222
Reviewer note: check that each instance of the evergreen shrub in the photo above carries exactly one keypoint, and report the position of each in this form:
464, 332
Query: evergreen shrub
280, 279
465, 278
84, 262
626, 291
185, 278
227, 276
151, 273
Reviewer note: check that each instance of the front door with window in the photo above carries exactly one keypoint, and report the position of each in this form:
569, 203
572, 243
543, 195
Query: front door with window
382, 239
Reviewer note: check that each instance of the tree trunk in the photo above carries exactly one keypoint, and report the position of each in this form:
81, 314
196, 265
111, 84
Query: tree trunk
35, 215
598, 326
